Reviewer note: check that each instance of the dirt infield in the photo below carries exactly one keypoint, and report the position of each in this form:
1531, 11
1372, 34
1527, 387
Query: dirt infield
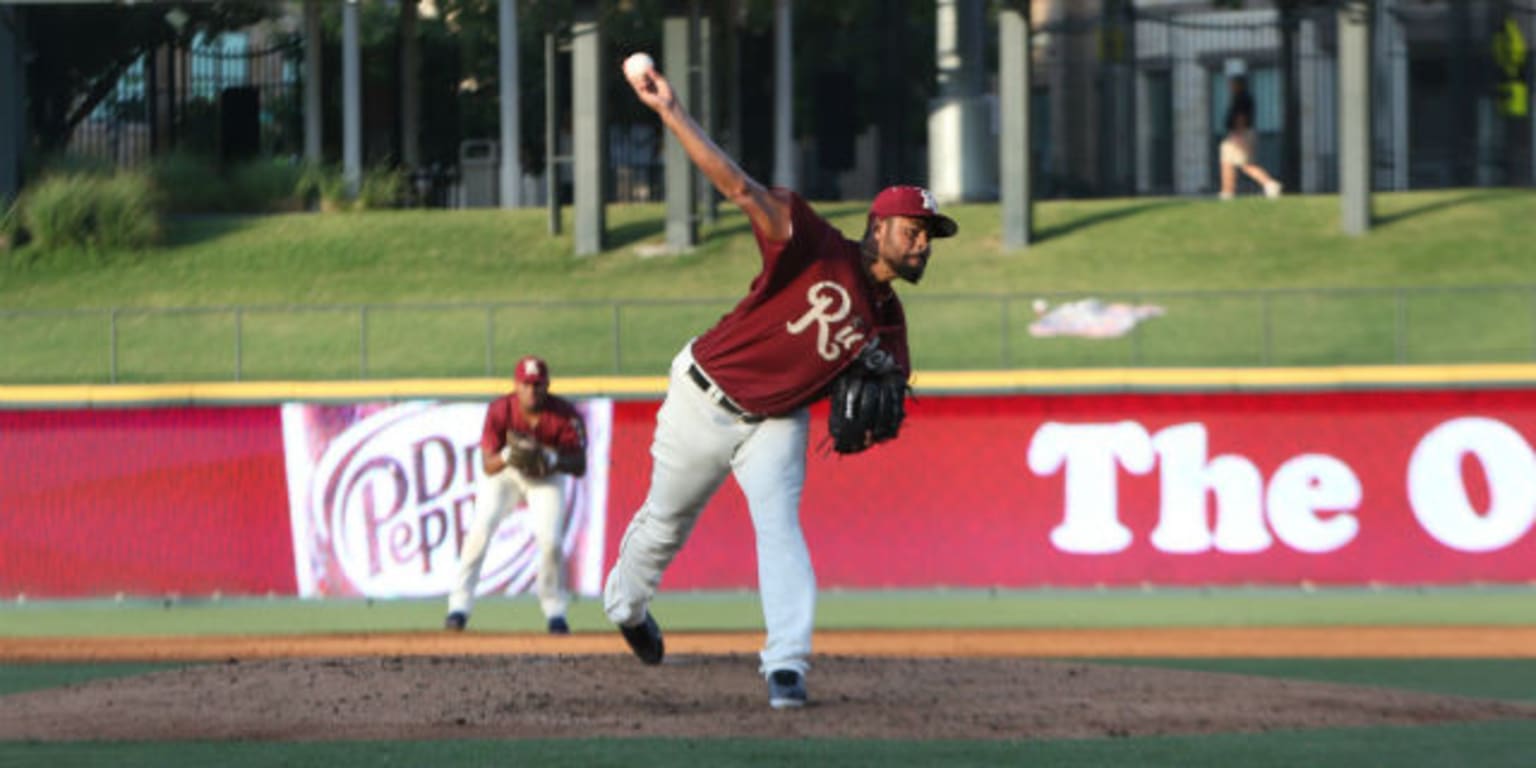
908, 685
1202, 642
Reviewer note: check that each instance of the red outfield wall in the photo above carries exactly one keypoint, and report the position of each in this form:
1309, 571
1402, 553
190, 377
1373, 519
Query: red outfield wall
1065, 490
1352, 488
143, 501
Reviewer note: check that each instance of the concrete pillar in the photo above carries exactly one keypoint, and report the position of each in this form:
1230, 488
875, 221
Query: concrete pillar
704, 31
552, 159
1355, 116
1530, 90
961, 160
1396, 62
1013, 86
410, 85
588, 146
1490, 146
731, 29
12, 111
511, 115
785, 156
351, 100
677, 61
313, 77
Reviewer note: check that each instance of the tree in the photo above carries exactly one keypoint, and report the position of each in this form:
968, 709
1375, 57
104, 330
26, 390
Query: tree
78, 52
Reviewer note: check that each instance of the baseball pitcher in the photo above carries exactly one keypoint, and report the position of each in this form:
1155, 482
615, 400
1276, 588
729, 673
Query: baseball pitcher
821, 309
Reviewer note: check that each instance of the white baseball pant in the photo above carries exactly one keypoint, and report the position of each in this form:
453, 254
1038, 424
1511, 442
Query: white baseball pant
696, 443
495, 497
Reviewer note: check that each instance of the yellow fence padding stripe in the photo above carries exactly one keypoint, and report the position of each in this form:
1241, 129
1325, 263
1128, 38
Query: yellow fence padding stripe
107, 395
1219, 379
649, 387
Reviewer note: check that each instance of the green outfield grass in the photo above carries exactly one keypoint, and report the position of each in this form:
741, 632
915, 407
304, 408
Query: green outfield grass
1474, 745
735, 611
16, 678
970, 313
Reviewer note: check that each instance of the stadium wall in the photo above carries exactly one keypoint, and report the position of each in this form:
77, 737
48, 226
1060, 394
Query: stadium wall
1370, 484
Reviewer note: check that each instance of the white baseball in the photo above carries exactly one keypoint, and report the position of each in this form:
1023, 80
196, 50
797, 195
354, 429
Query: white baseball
637, 65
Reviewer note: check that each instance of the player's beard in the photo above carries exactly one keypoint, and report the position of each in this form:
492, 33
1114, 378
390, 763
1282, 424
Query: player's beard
911, 273
904, 268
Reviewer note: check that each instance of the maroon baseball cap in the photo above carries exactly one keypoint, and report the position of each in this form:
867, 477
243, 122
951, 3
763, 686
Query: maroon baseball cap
916, 202
532, 370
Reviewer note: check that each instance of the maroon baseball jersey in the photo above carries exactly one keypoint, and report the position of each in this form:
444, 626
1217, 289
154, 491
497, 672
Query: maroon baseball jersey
560, 425
810, 312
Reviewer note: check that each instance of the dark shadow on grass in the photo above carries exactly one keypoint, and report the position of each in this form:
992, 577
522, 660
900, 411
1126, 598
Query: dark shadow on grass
839, 209
829, 211
192, 229
741, 227
647, 229
625, 235
179, 230
1476, 196
1130, 208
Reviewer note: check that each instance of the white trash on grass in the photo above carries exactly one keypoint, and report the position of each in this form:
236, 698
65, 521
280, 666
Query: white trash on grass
1089, 318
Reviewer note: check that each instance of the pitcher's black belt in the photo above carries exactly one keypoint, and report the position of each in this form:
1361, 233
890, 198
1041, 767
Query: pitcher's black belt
713, 392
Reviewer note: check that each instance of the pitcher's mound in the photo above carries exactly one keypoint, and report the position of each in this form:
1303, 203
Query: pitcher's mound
436, 697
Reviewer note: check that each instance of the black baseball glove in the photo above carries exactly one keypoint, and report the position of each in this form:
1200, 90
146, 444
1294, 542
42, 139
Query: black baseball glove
867, 408
525, 455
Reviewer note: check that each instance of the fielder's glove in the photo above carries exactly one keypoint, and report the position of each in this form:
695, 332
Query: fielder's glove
867, 408
530, 459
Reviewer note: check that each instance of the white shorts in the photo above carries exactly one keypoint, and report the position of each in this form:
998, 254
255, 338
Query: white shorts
1237, 148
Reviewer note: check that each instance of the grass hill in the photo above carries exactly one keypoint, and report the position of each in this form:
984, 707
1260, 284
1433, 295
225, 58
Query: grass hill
1446, 276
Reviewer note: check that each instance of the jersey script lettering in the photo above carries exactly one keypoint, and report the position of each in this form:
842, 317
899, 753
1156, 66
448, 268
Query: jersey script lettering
830, 304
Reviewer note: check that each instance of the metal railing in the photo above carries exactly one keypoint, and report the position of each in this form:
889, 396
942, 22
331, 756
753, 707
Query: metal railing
1258, 328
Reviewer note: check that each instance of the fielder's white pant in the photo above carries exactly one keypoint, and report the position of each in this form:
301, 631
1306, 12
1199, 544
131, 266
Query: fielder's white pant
495, 497
697, 442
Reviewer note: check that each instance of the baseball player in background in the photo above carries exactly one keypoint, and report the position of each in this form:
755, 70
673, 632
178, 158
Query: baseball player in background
736, 400
529, 437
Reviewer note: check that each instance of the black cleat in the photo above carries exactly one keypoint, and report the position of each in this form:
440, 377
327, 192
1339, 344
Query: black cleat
645, 640
557, 626
786, 689
456, 621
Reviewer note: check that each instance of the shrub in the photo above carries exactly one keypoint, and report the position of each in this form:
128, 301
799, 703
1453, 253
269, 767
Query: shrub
95, 213
57, 210
323, 188
382, 188
189, 184
126, 211
192, 183
10, 228
262, 186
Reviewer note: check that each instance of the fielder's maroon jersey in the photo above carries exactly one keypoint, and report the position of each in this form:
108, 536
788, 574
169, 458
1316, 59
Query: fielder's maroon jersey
560, 425
810, 312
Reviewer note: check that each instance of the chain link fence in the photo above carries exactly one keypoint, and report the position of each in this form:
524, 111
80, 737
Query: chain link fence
1365, 326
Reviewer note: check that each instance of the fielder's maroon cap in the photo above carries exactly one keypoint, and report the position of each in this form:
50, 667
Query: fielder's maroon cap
532, 370
917, 203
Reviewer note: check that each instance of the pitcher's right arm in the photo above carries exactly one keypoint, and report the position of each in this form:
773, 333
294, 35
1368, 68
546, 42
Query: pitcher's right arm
769, 210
